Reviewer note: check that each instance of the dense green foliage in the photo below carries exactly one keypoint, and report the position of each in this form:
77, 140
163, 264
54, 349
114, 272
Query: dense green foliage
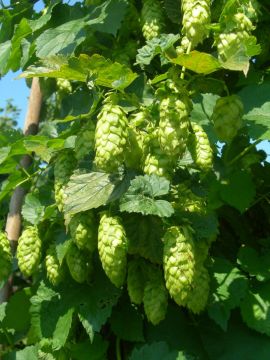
146, 224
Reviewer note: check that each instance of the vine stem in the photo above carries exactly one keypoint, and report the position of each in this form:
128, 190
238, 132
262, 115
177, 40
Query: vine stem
183, 68
13, 223
118, 349
242, 153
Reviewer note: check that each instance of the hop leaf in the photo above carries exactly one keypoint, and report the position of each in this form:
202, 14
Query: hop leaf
110, 137
200, 148
112, 248
5, 257
53, 269
155, 297
79, 263
173, 124
227, 117
152, 19
83, 230
29, 250
179, 263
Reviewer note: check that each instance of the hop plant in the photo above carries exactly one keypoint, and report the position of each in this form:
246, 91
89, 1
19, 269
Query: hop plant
110, 137
173, 124
196, 18
136, 280
85, 140
155, 161
136, 148
200, 148
152, 19
155, 297
29, 250
64, 85
53, 268
183, 199
179, 263
112, 248
5, 257
198, 297
83, 230
229, 43
227, 117
79, 263
63, 168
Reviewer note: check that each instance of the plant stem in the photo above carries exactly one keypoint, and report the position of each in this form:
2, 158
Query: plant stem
183, 68
118, 349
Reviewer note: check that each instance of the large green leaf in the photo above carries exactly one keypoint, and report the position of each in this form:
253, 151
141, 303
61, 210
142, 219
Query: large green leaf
92, 190
255, 264
229, 286
199, 62
141, 196
256, 100
28, 353
32, 210
255, 309
96, 68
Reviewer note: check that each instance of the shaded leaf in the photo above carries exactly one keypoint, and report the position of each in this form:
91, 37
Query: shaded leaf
154, 47
28, 353
154, 351
86, 350
255, 264
255, 309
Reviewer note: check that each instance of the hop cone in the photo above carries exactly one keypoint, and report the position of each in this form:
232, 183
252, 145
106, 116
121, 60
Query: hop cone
79, 263
64, 85
155, 298
198, 297
110, 137
185, 200
63, 168
84, 143
229, 43
227, 117
156, 162
152, 19
5, 257
196, 17
53, 269
29, 250
135, 149
83, 230
179, 263
136, 280
112, 248
200, 148
173, 124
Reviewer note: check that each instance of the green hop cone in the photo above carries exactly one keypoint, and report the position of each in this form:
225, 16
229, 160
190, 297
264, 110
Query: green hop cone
227, 117
79, 263
83, 230
155, 298
196, 18
173, 124
5, 257
185, 200
229, 43
136, 280
152, 19
200, 148
54, 273
135, 148
84, 143
112, 248
179, 263
110, 137
155, 161
29, 250
63, 168
64, 85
